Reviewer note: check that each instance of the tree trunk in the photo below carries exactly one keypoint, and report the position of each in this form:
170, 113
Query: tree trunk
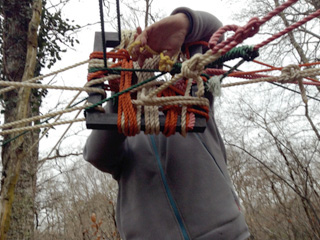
19, 161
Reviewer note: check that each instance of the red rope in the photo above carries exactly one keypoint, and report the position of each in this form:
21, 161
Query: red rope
120, 54
300, 65
288, 29
188, 45
242, 33
277, 10
255, 75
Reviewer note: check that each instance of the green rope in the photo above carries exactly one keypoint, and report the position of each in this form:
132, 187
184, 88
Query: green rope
40, 123
232, 69
126, 90
12, 139
118, 70
245, 52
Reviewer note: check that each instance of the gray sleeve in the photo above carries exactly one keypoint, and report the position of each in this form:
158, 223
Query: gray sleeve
104, 149
202, 24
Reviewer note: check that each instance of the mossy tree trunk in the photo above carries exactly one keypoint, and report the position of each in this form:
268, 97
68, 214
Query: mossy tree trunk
19, 160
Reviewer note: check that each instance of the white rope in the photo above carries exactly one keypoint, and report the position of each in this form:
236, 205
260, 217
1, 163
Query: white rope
48, 115
147, 94
56, 120
46, 86
284, 77
46, 75
28, 128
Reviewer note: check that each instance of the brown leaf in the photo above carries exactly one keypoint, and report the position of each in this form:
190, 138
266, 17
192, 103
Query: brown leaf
93, 217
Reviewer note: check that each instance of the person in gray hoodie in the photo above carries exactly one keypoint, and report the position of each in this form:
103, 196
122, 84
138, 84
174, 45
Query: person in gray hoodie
171, 187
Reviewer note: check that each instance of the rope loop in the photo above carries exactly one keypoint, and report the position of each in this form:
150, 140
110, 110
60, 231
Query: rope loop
241, 33
213, 42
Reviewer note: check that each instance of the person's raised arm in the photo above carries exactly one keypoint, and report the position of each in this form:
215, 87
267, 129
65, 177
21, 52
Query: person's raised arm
202, 24
184, 25
166, 35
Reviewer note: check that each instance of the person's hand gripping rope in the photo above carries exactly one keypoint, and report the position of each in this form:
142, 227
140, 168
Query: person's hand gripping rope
165, 36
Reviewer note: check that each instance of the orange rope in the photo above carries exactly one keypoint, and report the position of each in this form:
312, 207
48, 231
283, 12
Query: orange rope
95, 75
120, 54
200, 112
125, 107
280, 68
172, 113
113, 85
188, 45
127, 120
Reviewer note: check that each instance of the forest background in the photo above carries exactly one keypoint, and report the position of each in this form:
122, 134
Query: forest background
271, 134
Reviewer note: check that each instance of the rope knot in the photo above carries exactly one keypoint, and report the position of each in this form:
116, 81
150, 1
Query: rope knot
240, 34
291, 73
192, 67
252, 27
247, 31
165, 63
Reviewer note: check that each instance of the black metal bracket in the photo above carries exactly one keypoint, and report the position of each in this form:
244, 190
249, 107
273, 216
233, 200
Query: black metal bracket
108, 121
111, 40
97, 119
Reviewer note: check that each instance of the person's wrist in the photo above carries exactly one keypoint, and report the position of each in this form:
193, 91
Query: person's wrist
184, 22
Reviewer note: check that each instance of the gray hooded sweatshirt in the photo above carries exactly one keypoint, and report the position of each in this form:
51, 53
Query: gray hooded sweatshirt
171, 187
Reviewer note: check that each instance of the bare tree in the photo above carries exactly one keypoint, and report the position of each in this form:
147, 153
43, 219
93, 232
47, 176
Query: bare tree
26, 29
67, 200
70, 191
274, 162
272, 134
19, 62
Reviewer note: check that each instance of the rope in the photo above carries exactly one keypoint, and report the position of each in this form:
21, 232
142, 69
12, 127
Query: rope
28, 128
242, 33
127, 122
151, 118
45, 86
172, 96
46, 75
288, 29
286, 76
48, 115
56, 120
148, 96
165, 64
255, 75
300, 65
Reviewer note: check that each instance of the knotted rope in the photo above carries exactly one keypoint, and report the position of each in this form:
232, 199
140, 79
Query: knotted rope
172, 97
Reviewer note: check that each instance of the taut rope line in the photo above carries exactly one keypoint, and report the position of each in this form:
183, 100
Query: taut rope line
310, 72
46, 75
46, 86
28, 128
48, 115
